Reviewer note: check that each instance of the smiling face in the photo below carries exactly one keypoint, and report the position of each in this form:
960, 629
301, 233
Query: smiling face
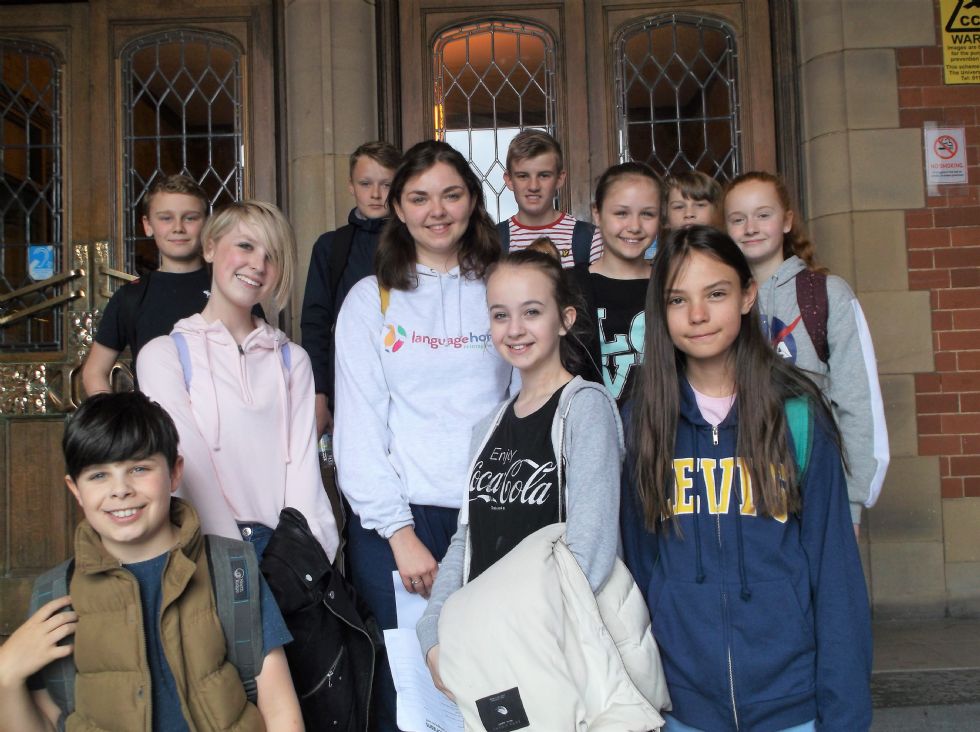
757, 220
525, 323
128, 505
175, 222
242, 274
705, 305
535, 183
369, 184
435, 207
629, 218
682, 211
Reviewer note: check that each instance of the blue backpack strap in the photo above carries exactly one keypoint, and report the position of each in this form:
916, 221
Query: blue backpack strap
235, 580
582, 242
185, 358
188, 370
799, 417
503, 231
59, 675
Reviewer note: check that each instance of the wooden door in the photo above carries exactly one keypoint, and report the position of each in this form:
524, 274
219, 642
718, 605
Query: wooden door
98, 98
603, 59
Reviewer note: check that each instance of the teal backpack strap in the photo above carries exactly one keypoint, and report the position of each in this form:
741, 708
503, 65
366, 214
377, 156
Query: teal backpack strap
59, 675
799, 417
235, 579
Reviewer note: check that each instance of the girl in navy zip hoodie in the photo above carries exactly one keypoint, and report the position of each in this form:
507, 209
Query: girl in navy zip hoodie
745, 552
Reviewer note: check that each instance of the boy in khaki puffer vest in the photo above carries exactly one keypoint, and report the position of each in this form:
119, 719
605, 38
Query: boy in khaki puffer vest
148, 645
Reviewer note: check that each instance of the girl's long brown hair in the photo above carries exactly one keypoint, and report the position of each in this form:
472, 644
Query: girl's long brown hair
479, 247
795, 241
763, 382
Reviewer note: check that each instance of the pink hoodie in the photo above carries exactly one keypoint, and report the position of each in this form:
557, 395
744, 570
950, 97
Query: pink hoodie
246, 424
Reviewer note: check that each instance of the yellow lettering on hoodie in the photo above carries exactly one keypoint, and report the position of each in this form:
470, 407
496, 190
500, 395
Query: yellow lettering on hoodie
683, 483
719, 501
748, 504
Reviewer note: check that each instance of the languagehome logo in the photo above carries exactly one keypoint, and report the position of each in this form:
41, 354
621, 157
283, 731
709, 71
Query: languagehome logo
394, 338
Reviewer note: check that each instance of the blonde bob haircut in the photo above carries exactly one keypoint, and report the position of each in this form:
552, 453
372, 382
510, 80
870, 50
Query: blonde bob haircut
273, 231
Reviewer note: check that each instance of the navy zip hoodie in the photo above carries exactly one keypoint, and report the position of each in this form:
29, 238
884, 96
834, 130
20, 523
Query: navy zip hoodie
321, 306
762, 623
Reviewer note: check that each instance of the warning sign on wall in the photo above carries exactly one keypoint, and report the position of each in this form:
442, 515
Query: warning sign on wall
961, 41
945, 149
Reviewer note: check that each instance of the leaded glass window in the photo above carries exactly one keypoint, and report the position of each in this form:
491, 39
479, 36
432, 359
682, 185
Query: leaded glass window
31, 238
182, 103
492, 80
677, 102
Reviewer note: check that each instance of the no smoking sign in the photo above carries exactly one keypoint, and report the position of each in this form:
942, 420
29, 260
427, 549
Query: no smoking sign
946, 147
945, 152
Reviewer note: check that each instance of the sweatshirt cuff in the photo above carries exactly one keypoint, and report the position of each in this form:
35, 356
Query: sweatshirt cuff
856, 512
385, 532
427, 630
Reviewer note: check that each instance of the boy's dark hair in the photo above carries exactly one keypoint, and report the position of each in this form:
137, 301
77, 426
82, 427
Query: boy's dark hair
695, 186
383, 153
531, 143
175, 184
110, 428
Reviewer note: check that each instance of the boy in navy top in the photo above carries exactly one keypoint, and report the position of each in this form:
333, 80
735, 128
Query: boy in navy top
340, 258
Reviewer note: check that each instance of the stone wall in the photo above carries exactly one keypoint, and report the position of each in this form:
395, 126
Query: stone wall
943, 240
865, 190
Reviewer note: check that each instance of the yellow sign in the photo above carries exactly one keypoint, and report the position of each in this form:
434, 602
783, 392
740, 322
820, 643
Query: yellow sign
961, 40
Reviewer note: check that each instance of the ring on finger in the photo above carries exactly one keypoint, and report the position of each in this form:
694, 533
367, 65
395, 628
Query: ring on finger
415, 581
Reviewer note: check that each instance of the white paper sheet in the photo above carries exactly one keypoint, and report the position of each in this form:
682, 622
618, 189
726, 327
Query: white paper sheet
408, 605
421, 706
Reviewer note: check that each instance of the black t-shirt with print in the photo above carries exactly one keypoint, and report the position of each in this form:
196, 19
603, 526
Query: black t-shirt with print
622, 326
514, 486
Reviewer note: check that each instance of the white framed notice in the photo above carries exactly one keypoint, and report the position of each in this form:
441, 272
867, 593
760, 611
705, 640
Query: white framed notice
945, 155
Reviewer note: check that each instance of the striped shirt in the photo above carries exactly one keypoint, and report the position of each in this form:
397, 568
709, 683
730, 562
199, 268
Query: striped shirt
560, 233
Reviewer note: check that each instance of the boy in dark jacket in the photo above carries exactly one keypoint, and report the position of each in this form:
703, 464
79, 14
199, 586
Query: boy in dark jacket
340, 258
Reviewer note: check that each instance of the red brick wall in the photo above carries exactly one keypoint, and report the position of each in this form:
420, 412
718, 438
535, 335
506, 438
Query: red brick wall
944, 258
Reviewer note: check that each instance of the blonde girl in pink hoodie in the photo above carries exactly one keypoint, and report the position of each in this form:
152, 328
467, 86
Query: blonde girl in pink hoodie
239, 392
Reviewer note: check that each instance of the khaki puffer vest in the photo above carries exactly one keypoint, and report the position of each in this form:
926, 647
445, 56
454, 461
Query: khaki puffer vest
112, 688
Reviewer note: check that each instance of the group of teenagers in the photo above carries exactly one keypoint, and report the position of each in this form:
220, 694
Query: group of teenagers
676, 390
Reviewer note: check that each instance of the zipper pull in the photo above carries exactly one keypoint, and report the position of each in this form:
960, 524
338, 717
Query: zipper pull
714, 434
241, 352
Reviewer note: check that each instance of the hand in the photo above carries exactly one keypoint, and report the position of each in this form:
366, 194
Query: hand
416, 565
35, 643
324, 419
432, 661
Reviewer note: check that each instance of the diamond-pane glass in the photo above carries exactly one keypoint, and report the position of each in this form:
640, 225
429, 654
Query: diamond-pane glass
182, 105
31, 238
677, 103
492, 80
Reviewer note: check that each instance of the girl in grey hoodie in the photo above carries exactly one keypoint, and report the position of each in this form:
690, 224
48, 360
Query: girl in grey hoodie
815, 322
551, 454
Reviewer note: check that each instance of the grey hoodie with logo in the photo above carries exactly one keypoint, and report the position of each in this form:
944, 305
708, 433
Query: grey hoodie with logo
849, 379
